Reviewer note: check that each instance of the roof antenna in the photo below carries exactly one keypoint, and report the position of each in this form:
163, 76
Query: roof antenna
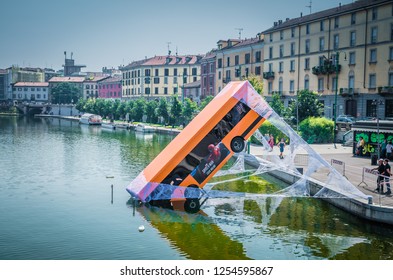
168, 43
240, 32
309, 6
176, 50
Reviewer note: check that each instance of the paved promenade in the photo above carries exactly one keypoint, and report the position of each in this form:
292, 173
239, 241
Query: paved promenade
353, 167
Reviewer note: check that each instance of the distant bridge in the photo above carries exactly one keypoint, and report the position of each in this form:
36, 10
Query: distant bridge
32, 108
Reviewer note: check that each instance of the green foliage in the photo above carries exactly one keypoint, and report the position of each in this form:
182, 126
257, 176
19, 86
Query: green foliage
277, 105
65, 93
162, 110
175, 111
268, 128
151, 111
189, 108
256, 83
138, 109
316, 130
205, 102
308, 105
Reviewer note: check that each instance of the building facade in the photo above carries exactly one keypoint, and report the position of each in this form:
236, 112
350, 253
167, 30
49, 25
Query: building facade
30, 92
238, 59
90, 86
17, 74
193, 91
208, 74
344, 54
3, 84
159, 76
110, 88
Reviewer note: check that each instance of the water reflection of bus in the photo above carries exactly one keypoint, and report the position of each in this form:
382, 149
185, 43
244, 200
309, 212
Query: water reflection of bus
202, 148
192, 234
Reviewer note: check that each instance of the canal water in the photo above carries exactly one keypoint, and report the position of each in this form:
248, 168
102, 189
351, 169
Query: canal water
62, 196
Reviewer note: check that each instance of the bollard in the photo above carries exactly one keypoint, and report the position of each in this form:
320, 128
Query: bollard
370, 199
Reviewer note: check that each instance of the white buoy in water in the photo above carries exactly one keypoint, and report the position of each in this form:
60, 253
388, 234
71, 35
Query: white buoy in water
141, 228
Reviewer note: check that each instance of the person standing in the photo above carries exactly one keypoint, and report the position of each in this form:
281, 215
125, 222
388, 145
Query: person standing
271, 141
389, 148
359, 146
281, 145
380, 179
386, 173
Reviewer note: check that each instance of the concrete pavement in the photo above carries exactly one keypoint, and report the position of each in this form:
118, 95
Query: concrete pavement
344, 162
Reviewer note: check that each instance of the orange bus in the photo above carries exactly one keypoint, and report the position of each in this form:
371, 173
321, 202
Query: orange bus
176, 176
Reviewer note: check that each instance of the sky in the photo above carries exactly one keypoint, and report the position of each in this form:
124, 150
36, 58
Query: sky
116, 32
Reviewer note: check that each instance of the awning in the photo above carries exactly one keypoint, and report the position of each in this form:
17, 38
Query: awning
372, 130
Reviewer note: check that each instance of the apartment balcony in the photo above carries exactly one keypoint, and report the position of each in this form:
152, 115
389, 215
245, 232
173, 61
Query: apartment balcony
268, 75
386, 90
349, 92
326, 69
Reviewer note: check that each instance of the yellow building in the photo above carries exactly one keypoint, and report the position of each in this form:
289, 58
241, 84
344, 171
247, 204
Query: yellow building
159, 76
354, 39
237, 59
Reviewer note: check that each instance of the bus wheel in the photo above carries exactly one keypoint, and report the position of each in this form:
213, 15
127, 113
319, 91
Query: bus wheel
192, 205
237, 144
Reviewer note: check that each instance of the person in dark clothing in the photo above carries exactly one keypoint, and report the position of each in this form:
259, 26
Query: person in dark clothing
380, 169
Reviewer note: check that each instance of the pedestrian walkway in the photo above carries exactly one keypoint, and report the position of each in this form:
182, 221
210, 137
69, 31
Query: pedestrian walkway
353, 167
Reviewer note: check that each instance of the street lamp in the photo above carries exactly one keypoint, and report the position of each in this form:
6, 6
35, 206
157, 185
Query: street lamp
376, 103
297, 111
335, 96
72, 104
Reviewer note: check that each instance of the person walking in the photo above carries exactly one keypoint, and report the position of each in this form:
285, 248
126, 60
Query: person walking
380, 169
389, 148
386, 173
271, 141
281, 145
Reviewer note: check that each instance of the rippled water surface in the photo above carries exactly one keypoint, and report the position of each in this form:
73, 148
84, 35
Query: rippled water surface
56, 202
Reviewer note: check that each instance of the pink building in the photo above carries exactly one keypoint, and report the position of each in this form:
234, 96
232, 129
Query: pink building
110, 88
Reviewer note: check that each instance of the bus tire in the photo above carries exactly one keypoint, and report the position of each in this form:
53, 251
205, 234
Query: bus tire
237, 144
192, 205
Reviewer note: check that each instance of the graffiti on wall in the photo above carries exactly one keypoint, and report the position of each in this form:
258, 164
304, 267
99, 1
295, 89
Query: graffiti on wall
371, 141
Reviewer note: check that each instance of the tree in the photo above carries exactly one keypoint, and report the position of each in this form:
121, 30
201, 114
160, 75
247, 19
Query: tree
256, 83
308, 105
205, 102
138, 109
151, 111
162, 109
277, 105
65, 93
189, 108
175, 111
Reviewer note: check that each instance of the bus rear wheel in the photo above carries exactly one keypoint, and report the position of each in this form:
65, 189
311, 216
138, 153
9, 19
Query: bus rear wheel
192, 203
237, 144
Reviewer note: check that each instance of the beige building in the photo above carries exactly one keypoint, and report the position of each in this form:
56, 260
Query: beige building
159, 76
237, 59
356, 39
